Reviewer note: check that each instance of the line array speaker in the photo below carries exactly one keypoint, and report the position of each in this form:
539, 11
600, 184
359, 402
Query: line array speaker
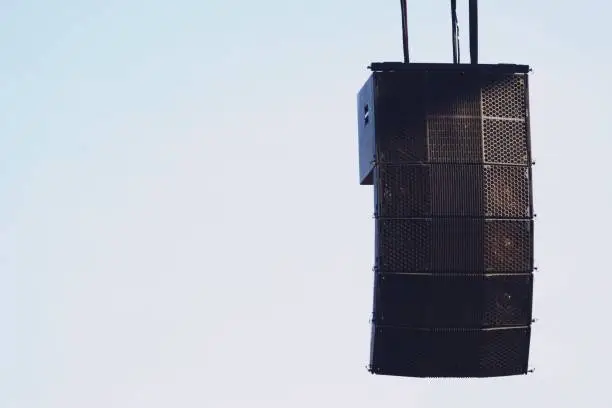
447, 149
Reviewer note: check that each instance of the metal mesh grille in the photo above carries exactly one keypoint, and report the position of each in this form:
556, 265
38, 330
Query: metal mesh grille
449, 353
453, 191
457, 245
508, 246
453, 301
448, 245
403, 245
507, 301
454, 140
449, 117
402, 139
507, 191
401, 132
403, 191
505, 350
456, 190
505, 141
452, 94
505, 97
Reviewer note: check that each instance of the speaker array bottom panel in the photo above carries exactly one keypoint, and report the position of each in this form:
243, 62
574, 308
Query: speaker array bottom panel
454, 301
449, 353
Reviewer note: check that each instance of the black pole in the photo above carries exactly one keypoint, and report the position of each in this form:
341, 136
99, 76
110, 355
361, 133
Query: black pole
474, 31
405, 31
455, 38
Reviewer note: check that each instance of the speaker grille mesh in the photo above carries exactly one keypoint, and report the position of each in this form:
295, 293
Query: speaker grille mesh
452, 191
507, 301
506, 352
404, 245
456, 190
507, 246
507, 191
454, 140
504, 97
453, 301
505, 141
401, 118
449, 353
451, 118
456, 245
451, 245
453, 94
403, 191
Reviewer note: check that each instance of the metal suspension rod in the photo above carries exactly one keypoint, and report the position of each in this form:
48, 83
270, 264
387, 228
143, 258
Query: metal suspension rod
455, 33
474, 31
458, 44
405, 31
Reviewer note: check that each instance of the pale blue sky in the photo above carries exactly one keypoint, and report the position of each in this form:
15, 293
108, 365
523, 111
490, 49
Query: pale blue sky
181, 223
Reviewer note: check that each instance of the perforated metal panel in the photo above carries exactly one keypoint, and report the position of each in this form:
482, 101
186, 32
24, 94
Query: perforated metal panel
403, 191
452, 94
454, 139
456, 191
453, 301
506, 141
400, 110
451, 245
404, 245
449, 117
505, 97
449, 353
507, 191
507, 300
508, 246
449, 190
506, 351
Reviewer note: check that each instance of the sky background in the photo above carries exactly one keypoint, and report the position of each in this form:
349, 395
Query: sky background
181, 223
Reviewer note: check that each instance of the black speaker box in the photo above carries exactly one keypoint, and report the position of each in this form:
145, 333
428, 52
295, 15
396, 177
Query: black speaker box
447, 149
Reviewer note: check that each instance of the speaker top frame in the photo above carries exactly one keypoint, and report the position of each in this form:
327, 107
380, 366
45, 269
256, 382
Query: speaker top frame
489, 68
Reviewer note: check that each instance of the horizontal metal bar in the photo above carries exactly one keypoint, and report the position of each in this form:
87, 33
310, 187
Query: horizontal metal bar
493, 68
458, 275
451, 329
